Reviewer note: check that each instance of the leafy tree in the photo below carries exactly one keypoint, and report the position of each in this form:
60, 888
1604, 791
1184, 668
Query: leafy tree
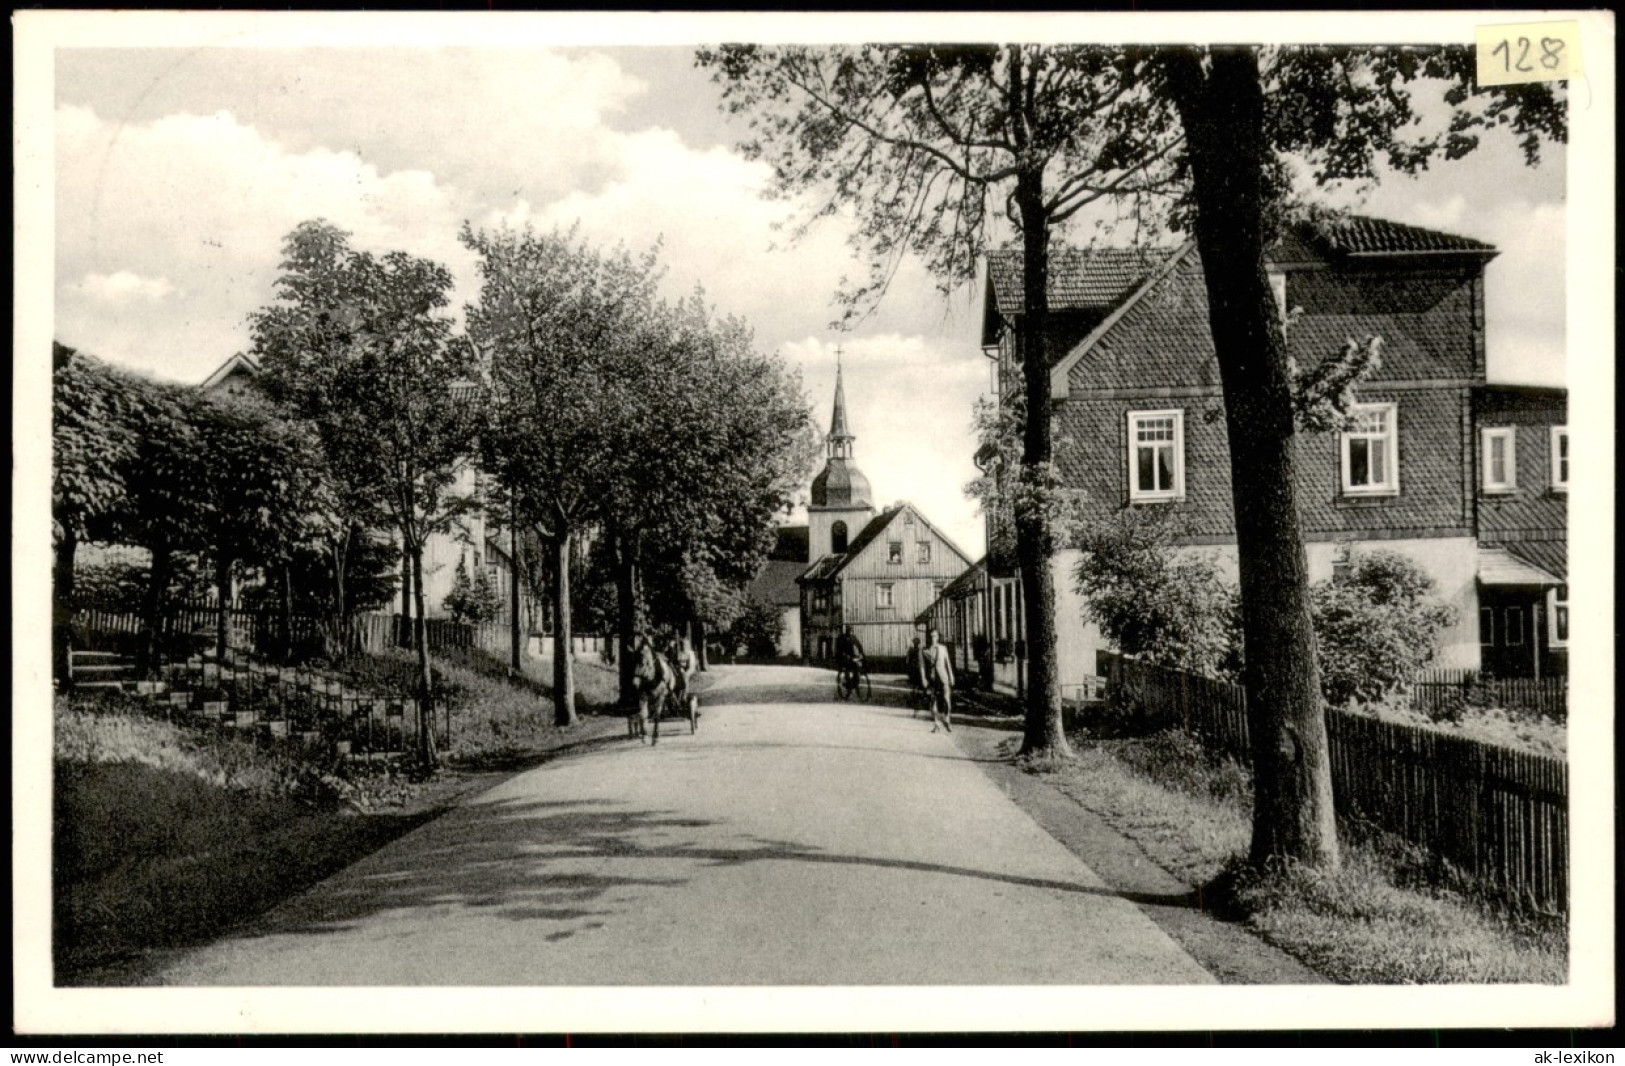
559, 322
1150, 601
734, 443
168, 512
304, 342
940, 150
362, 346
1377, 623
93, 445
262, 484
1347, 112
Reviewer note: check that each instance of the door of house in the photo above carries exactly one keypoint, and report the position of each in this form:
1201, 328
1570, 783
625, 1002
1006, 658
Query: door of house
1509, 631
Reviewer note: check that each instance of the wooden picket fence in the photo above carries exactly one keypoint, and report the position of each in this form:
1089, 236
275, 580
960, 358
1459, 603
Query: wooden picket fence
259, 630
1439, 691
1498, 815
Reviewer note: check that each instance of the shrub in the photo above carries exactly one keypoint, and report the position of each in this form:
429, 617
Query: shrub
1377, 623
757, 630
1170, 610
472, 601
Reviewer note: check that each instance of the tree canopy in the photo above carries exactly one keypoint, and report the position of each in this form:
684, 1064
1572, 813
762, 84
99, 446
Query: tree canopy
361, 345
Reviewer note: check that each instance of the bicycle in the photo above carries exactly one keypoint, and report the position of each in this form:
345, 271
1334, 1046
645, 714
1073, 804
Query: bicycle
851, 680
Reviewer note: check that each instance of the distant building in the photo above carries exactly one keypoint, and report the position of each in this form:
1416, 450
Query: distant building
776, 586
873, 572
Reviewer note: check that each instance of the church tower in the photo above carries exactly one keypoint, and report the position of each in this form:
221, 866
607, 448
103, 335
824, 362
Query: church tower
841, 502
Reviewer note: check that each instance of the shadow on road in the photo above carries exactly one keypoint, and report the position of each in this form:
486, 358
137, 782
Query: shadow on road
522, 860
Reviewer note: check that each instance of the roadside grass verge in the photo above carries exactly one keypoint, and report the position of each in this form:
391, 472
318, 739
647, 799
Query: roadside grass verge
166, 835
1386, 917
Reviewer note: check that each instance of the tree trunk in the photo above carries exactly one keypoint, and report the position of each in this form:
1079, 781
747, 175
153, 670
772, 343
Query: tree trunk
626, 610
62, 602
222, 592
1035, 541
151, 649
515, 637
564, 682
1223, 115
420, 633
405, 637
701, 658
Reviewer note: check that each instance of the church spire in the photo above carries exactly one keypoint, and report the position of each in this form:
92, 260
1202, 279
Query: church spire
841, 485
838, 444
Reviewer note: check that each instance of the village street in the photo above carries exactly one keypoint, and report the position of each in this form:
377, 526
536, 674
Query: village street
793, 840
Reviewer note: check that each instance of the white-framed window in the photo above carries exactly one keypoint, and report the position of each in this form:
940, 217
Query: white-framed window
1156, 455
1499, 458
1557, 616
1560, 458
937, 588
1486, 626
894, 551
1370, 449
922, 551
883, 597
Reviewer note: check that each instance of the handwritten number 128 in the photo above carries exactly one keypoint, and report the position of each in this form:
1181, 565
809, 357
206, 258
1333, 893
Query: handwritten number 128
1551, 50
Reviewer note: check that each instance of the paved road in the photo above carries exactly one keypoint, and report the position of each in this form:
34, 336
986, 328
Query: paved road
792, 841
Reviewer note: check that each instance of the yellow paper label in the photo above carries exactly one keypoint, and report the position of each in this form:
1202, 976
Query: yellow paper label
1529, 51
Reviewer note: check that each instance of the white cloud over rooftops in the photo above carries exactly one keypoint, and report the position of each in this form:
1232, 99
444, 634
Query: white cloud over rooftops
124, 286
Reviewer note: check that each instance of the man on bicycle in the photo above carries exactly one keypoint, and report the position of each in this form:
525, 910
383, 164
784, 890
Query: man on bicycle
849, 656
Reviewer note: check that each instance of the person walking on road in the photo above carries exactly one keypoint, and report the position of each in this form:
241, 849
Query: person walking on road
937, 666
916, 677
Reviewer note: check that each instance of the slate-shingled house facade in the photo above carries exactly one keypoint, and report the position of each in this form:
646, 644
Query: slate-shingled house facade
1137, 396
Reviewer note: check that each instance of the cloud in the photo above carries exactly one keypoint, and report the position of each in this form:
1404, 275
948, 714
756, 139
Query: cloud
494, 124
123, 287
201, 204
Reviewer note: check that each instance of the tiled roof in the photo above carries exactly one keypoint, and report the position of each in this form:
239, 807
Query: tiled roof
776, 583
1098, 279
1363, 235
1093, 279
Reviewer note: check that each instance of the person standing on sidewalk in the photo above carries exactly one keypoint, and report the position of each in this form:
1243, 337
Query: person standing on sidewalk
937, 666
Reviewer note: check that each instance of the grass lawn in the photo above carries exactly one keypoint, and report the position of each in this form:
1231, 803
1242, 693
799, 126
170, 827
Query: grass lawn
1381, 919
167, 835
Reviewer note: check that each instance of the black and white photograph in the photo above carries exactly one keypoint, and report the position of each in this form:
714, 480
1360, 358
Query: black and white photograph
787, 523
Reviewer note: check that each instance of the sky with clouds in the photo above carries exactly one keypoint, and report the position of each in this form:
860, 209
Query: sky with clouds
179, 170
